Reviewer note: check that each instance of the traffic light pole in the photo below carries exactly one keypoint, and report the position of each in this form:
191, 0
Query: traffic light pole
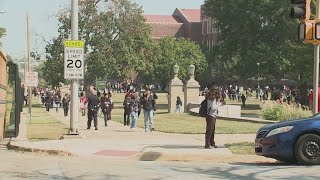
74, 109
316, 68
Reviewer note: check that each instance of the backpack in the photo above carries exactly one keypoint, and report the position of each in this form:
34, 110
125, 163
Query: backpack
203, 110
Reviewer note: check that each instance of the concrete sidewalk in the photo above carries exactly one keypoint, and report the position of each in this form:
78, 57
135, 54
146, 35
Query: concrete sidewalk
118, 141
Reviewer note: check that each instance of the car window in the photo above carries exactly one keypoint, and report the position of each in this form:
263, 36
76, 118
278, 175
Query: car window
317, 115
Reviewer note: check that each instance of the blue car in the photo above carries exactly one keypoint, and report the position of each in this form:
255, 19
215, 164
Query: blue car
291, 141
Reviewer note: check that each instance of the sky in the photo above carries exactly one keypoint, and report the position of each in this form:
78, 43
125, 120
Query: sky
43, 21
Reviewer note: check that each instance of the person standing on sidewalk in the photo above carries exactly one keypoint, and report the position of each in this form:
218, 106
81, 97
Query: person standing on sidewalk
213, 102
149, 106
93, 106
65, 104
127, 105
135, 110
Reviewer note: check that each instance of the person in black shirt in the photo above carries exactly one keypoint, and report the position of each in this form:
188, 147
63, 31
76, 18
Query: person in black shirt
178, 105
149, 107
93, 106
65, 103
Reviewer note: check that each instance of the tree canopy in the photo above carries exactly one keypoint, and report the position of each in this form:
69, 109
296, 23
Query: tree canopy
117, 43
258, 31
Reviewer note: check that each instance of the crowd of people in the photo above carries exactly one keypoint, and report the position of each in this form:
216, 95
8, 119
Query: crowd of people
135, 102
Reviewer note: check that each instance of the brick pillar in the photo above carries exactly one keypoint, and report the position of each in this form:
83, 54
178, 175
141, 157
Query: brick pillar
191, 92
175, 89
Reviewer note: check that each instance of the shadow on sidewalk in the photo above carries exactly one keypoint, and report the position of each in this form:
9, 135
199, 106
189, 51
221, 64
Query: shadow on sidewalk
177, 147
150, 156
278, 163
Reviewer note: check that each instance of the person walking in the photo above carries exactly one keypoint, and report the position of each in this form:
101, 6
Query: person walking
213, 102
106, 105
65, 104
47, 101
57, 101
149, 106
243, 99
93, 106
83, 104
127, 105
135, 111
178, 105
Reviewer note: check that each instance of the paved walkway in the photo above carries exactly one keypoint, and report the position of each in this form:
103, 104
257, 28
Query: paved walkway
118, 141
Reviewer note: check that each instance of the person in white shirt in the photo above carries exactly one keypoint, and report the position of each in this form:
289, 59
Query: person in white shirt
213, 102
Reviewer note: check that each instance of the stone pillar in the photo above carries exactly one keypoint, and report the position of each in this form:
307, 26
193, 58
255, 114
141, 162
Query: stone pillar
175, 89
191, 93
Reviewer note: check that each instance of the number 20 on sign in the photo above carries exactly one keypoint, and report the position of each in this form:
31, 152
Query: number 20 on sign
73, 59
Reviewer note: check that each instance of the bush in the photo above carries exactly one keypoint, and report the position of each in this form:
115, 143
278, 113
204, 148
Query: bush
271, 110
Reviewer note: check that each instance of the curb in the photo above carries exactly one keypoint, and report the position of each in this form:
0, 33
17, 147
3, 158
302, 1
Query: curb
13, 146
194, 157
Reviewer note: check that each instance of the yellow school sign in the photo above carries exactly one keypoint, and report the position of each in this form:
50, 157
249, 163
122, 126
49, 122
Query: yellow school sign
71, 43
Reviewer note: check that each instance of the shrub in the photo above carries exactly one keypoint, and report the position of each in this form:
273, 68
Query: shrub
271, 110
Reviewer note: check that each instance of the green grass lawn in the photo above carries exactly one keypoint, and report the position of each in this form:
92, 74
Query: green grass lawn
44, 126
183, 123
245, 148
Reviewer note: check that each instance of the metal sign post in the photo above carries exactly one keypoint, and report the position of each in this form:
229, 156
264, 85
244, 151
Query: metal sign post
74, 66
316, 69
31, 80
74, 70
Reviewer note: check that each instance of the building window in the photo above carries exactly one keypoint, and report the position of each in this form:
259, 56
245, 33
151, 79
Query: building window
204, 27
209, 26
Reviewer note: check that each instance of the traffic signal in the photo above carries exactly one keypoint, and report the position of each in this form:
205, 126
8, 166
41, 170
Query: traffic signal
306, 31
317, 31
301, 10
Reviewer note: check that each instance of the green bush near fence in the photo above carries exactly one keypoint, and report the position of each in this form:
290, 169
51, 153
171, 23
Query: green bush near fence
271, 110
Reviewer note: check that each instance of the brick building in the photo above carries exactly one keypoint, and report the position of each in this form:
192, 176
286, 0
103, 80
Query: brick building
3, 92
209, 31
192, 24
182, 23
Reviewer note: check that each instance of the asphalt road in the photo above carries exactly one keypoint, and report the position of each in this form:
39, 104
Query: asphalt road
15, 165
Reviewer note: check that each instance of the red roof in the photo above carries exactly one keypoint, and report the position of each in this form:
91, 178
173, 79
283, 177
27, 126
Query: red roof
193, 15
161, 19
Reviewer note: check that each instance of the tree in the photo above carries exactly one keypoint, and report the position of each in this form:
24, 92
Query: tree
2, 33
115, 36
52, 71
171, 51
258, 31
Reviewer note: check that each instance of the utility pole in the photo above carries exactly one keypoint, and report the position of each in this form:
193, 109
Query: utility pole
316, 68
74, 109
29, 63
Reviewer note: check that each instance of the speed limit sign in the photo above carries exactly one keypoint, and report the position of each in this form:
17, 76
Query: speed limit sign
73, 59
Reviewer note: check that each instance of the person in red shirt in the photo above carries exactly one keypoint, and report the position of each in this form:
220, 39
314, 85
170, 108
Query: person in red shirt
311, 99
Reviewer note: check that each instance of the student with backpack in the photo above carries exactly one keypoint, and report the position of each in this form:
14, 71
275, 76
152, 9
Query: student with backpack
106, 107
149, 107
127, 105
135, 110
57, 101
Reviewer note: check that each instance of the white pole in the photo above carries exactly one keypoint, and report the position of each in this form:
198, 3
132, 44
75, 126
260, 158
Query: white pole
74, 84
316, 68
29, 66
